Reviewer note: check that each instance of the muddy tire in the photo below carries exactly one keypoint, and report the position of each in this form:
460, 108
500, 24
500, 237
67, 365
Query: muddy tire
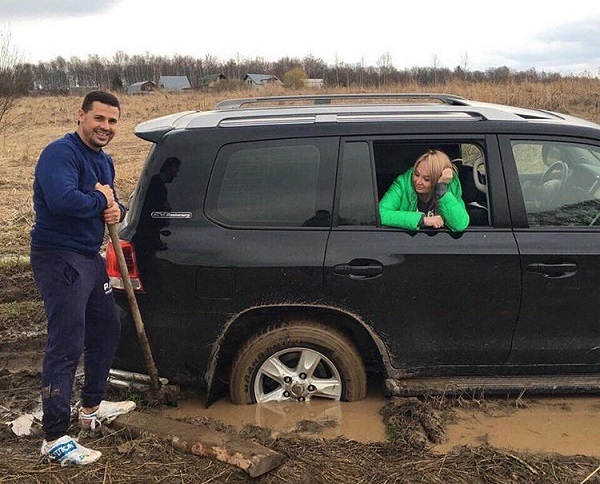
297, 361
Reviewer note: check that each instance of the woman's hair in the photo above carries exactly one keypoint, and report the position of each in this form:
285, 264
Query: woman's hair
438, 161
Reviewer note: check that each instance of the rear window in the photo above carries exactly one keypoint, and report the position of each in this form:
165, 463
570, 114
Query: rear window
273, 183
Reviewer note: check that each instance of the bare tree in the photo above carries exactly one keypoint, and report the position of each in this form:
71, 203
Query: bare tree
435, 61
465, 60
361, 72
9, 89
384, 62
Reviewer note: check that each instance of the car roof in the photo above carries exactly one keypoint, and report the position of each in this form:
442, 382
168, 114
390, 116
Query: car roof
348, 108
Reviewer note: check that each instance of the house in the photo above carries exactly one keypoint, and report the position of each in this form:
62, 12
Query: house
142, 87
262, 80
314, 83
212, 80
174, 83
81, 90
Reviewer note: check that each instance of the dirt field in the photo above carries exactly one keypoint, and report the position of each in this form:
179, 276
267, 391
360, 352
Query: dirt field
417, 429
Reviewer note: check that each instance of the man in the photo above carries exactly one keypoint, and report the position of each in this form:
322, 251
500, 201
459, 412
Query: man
73, 198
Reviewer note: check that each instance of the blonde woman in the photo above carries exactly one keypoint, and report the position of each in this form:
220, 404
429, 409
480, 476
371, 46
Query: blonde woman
428, 195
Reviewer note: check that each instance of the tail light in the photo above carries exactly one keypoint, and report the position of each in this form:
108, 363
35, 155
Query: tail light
112, 266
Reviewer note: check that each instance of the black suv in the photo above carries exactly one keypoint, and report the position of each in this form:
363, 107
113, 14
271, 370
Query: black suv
254, 239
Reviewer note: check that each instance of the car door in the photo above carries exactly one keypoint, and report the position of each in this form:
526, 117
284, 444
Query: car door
436, 298
555, 202
270, 202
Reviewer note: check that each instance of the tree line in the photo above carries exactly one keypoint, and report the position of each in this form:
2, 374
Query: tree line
60, 75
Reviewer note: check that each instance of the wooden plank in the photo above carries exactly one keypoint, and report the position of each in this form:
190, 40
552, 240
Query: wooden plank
251, 457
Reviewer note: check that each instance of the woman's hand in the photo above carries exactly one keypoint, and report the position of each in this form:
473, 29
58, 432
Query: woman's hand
446, 176
435, 221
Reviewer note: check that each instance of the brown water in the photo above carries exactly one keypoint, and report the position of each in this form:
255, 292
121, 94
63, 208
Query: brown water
358, 421
565, 425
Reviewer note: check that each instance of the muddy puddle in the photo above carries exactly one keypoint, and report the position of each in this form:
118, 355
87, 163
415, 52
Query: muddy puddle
567, 425
358, 421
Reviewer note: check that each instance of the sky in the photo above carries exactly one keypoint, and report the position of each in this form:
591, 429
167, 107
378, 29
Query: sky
548, 36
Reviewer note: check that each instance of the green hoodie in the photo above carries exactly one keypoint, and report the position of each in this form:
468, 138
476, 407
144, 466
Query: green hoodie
398, 207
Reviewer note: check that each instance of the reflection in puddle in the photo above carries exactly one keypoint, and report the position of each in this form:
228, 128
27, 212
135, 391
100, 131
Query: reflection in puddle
358, 421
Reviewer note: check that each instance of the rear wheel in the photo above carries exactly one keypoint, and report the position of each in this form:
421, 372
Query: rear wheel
297, 361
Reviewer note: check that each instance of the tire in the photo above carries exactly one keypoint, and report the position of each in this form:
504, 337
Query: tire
267, 367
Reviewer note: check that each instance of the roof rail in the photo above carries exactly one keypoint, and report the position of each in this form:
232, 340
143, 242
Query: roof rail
335, 98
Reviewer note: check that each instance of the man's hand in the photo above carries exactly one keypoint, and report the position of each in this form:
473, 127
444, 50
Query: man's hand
435, 222
108, 193
112, 214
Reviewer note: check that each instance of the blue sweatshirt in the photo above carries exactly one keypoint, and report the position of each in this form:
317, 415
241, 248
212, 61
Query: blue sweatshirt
68, 211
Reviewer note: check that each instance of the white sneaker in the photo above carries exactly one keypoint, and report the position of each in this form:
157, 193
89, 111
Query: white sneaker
106, 413
67, 451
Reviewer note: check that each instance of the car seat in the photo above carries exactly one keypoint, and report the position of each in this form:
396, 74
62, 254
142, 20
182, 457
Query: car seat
474, 189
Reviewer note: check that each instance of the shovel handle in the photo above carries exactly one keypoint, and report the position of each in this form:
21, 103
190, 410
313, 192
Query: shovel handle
135, 311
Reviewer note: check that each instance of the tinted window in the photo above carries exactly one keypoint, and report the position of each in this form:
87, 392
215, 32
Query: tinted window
279, 183
357, 199
560, 182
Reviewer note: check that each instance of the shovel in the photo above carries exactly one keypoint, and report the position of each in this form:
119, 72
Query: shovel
155, 384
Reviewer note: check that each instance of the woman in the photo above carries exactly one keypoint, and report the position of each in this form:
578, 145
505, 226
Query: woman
428, 195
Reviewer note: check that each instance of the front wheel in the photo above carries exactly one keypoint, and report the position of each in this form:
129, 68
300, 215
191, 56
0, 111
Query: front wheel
297, 361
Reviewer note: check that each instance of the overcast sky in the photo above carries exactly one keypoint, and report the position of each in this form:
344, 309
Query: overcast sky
547, 35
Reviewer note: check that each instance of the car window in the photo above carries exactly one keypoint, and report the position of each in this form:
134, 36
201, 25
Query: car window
472, 173
393, 158
560, 182
357, 203
280, 183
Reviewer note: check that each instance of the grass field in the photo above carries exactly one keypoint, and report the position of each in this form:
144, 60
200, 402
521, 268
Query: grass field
35, 121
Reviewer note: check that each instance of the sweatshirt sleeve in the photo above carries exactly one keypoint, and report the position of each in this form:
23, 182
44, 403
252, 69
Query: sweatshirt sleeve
58, 175
452, 207
394, 209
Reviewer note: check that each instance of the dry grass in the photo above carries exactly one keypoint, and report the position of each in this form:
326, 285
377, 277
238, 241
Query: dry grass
309, 461
34, 122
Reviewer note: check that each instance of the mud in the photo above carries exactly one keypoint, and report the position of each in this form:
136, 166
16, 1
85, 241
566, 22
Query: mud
566, 425
359, 421
437, 440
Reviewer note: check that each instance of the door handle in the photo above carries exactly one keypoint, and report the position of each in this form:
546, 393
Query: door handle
554, 271
359, 270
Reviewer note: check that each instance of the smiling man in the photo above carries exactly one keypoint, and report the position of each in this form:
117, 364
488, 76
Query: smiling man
73, 198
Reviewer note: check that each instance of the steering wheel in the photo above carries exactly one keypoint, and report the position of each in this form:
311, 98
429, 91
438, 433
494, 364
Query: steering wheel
551, 184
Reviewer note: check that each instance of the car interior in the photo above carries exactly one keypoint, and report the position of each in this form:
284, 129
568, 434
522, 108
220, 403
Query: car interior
560, 182
394, 158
